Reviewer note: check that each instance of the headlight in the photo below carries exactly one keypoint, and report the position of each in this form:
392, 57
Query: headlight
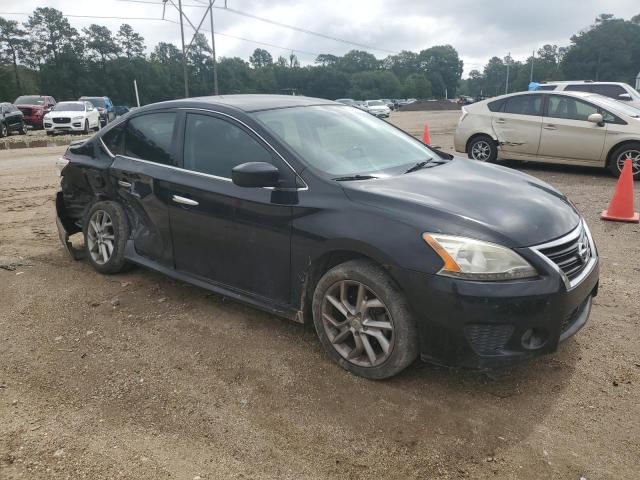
78, 118
477, 260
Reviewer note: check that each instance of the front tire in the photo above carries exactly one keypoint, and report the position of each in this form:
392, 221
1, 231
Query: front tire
22, 130
86, 127
483, 148
4, 131
364, 321
106, 231
629, 151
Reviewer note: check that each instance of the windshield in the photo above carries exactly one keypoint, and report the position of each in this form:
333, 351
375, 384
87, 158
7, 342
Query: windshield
29, 100
617, 106
342, 141
375, 103
69, 107
95, 101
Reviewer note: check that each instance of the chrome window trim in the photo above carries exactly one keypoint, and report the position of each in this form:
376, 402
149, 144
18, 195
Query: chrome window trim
569, 237
207, 175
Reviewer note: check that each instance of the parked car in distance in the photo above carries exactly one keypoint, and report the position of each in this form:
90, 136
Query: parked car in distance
360, 105
616, 90
104, 106
11, 120
75, 116
388, 102
574, 128
377, 108
33, 108
346, 101
120, 110
321, 213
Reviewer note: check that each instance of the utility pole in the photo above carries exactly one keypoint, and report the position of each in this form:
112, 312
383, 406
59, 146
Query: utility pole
533, 55
213, 48
184, 53
506, 86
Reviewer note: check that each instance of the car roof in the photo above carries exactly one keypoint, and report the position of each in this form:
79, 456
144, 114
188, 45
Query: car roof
246, 103
582, 82
73, 101
569, 93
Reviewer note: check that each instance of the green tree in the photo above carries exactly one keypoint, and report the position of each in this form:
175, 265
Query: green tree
416, 85
50, 33
358, 61
327, 60
129, 42
443, 68
374, 84
99, 40
260, 58
12, 41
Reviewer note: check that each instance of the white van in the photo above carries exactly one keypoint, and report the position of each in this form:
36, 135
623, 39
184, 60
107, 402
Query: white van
616, 90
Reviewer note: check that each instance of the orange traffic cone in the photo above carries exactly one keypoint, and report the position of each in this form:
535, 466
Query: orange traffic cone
426, 138
621, 206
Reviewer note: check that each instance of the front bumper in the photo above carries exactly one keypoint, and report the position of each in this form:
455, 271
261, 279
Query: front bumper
34, 121
381, 113
73, 126
491, 325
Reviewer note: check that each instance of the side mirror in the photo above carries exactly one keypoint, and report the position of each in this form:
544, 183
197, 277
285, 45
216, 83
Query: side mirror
597, 119
255, 174
624, 97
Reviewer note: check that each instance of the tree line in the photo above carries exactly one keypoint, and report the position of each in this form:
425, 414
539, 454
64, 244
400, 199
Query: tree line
47, 55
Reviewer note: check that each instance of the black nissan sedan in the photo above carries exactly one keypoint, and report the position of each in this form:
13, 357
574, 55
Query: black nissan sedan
323, 213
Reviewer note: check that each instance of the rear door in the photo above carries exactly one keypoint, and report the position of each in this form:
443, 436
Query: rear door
517, 125
566, 132
234, 236
145, 151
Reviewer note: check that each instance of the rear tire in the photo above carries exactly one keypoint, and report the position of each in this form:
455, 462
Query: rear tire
364, 321
483, 148
616, 160
106, 230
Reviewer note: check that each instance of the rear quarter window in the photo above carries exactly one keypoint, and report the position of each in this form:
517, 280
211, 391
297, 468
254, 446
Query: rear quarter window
496, 105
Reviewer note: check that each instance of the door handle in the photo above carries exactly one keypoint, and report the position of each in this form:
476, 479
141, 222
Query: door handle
550, 127
124, 183
501, 120
184, 201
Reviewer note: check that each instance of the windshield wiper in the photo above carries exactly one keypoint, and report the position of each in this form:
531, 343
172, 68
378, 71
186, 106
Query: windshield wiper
354, 177
425, 164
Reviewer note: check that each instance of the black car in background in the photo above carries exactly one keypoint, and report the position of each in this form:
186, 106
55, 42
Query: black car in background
11, 120
323, 213
104, 106
120, 110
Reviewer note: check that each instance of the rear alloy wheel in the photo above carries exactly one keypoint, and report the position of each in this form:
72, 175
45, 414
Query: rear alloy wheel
621, 155
483, 149
363, 320
105, 234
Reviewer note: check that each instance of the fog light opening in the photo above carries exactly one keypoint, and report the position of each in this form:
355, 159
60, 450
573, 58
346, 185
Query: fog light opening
533, 339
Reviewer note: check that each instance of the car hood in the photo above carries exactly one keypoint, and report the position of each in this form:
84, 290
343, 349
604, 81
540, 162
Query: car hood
473, 199
66, 113
24, 105
378, 107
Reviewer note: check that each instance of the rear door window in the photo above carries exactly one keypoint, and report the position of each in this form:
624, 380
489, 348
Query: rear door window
579, 87
612, 91
214, 146
150, 137
524, 105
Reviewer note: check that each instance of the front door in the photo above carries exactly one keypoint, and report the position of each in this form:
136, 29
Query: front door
233, 236
566, 132
517, 126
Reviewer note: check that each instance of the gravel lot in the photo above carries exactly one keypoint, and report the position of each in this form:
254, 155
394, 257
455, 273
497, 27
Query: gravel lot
136, 376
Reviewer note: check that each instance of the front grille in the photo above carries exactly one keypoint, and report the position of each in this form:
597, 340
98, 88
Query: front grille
25, 110
61, 120
572, 255
488, 339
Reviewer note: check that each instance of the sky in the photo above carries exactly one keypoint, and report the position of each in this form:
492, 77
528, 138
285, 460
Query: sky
478, 29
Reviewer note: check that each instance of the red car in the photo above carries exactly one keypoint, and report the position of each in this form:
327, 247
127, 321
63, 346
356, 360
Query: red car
34, 108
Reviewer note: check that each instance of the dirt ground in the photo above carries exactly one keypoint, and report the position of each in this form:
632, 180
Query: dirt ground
136, 376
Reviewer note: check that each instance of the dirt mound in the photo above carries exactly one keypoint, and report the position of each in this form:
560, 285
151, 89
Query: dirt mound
430, 105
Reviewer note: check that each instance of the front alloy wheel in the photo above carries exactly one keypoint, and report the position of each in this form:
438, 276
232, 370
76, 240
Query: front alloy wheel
357, 323
364, 321
634, 156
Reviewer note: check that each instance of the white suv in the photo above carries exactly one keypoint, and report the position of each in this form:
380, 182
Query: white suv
618, 91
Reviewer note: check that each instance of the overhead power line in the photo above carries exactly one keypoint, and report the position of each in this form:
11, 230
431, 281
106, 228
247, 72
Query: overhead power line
274, 22
244, 39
